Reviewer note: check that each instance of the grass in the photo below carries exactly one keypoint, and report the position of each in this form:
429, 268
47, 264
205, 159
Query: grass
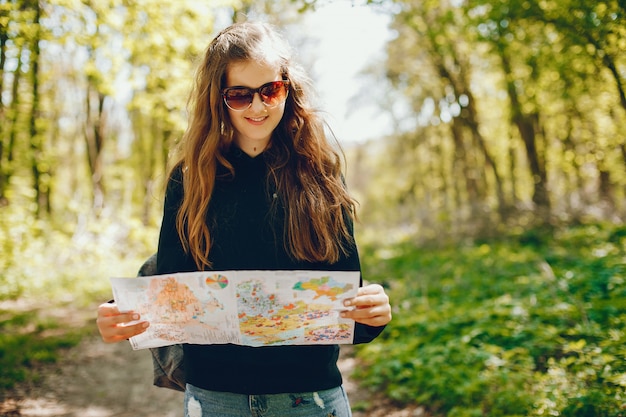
527, 325
29, 339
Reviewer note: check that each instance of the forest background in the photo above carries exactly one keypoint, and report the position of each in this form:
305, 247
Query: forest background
493, 212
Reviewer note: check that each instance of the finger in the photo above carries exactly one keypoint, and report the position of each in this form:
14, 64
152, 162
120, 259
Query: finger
120, 333
370, 289
108, 309
368, 295
373, 316
366, 313
374, 321
119, 318
113, 325
367, 300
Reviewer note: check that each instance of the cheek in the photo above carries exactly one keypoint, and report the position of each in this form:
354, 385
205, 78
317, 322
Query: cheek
234, 118
231, 115
278, 113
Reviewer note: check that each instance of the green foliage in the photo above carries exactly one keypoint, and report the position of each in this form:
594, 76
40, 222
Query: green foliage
68, 262
28, 339
528, 325
52, 277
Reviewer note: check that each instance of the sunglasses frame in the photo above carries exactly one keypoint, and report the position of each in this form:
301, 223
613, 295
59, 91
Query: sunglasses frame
253, 91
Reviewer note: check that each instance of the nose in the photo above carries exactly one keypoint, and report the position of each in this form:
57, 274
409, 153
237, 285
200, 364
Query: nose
257, 104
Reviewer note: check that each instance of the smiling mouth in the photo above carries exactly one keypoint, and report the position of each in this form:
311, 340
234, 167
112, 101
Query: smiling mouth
257, 119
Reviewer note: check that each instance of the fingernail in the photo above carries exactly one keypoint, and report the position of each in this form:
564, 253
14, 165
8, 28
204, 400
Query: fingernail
145, 324
344, 314
347, 303
135, 316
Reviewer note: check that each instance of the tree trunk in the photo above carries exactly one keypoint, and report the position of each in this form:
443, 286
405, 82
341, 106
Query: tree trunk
40, 175
4, 37
94, 138
445, 190
3, 117
527, 125
513, 175
149, 164
462, 168
14, 112
605, 189
575, 188
471, 121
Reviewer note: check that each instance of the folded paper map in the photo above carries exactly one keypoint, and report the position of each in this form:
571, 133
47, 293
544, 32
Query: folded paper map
253, 308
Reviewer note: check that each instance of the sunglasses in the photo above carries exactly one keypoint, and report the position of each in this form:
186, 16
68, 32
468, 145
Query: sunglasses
272, 94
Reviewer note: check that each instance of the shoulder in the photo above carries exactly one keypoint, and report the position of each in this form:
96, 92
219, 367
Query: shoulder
176, 174
175, 182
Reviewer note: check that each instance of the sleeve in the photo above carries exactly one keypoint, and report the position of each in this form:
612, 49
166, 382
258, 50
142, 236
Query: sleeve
172, 257
364, 333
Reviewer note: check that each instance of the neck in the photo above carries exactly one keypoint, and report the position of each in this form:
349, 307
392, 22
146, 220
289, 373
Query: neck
252, 149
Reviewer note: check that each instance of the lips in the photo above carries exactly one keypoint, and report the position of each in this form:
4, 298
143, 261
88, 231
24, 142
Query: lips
256, 120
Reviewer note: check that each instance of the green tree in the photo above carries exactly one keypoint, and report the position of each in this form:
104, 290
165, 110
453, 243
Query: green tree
533, 125
40, 170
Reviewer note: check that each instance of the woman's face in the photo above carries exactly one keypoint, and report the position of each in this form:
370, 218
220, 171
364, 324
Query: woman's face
253, 126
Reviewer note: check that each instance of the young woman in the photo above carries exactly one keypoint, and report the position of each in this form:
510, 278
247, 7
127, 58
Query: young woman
257, 186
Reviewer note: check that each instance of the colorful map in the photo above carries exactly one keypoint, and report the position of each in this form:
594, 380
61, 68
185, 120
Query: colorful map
323, 287
253, 308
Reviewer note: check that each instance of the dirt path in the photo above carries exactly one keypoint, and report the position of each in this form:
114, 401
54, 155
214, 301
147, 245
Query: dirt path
94, 379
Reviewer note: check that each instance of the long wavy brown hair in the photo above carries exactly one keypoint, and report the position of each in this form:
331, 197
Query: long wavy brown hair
305, 169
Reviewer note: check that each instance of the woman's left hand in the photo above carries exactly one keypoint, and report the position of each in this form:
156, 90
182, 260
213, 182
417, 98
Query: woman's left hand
370, 306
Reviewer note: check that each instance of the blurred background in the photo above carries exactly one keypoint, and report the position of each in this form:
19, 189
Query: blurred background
485, 141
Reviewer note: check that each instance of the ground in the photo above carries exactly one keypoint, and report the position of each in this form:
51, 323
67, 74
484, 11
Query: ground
95, 379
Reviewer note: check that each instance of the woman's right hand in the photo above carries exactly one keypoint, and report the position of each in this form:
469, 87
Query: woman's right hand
113, 325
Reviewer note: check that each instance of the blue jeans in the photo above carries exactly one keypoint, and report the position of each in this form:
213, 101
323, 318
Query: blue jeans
328, 403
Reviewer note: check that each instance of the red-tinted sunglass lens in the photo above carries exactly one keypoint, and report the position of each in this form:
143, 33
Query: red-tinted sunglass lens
239, 98
273, 93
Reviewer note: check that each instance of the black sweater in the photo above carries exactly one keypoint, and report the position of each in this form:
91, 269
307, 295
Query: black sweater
247, 234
